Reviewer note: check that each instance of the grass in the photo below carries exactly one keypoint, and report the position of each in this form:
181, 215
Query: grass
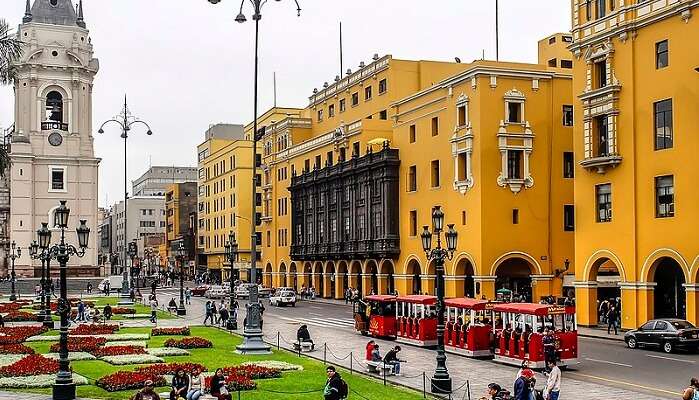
290, 386
100, 302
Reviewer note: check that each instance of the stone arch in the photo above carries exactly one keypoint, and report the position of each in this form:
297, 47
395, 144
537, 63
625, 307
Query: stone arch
516, 254
651, 263
694, 270
669, 297
318, 283
589, 273
355, 274
267, 276
513, 272
414, 272
459, 258
341, 273
463, 270
371, 269
387, 270
329, 280
307, 274
282, 275
293, 276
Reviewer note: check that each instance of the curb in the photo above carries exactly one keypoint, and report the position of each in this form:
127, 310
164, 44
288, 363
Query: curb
607, 338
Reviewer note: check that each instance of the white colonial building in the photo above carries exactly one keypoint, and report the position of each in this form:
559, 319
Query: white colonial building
52, 151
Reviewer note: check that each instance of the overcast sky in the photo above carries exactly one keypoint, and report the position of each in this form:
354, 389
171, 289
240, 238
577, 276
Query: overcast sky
185, 64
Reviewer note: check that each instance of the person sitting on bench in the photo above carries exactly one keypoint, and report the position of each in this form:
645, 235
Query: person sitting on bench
392, 359
376, 354
172, 305
302, 335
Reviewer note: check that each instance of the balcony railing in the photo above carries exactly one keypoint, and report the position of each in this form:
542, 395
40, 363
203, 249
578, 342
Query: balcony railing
52, 125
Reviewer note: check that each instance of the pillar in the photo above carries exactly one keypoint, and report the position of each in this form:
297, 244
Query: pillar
428, 284
327, 285
541, 287
454, 286
366, 284
586, 303
692, 290
634, 304
485, 286
403, 283
339, 290
382, 283
645, 305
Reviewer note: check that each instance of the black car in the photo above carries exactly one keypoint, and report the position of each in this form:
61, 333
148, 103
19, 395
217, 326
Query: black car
668, 334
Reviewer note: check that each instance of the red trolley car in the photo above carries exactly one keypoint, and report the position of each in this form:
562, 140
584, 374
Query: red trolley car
416, 320
522, 333
376, 316
468, 328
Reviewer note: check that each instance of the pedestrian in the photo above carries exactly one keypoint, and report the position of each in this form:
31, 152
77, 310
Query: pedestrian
147, 393
214, 313
522, 389
335, 387
692, 391
107, 288
196, 385
89, 288
153, 286
611, 320
495, 392
223, 311
391, 358
218, 386
603, 310
36, 290
369, 350
553, 381
209, 315
81, 310
188, 295
153, 310
2, 321
107, 310
549, 342
376, 354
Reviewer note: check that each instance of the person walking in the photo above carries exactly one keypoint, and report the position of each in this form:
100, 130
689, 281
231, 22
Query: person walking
81, 311
553, 381
214, 312
209, 313
223, 311
188, 296
335, 387
89, 288
153, 310
522, 388
692, 391
611, 320
391, 358
107, 288
549, 342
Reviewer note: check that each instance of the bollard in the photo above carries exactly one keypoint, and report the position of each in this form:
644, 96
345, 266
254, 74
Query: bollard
325, 353
468, 389
424, 386
278, 336
351, 357
384, 373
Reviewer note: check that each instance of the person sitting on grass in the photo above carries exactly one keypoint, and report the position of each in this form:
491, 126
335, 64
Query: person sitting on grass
107, 312
180, 385
147, 393
218, 386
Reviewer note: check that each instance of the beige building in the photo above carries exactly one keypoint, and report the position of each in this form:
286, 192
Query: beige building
52, 147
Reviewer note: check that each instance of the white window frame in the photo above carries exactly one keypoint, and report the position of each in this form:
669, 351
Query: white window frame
462, 143
526, 139
65, 178
514, 96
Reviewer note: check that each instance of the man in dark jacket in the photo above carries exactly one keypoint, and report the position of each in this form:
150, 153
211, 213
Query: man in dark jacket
333, 386
391, 358
302, 335
522, 385
495, 392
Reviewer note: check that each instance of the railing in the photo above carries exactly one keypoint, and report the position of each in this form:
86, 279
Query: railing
52, 125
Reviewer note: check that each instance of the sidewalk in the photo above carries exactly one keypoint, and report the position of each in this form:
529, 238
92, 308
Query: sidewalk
600, 333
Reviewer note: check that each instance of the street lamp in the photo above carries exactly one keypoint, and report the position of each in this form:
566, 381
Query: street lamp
132, 251
13, 256
64, 387
182, 256
441, 381
252, 336
33, 254
125, 121
231, 248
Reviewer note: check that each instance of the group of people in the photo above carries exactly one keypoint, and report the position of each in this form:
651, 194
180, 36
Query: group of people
525, 385
610, 312
87, 314
373, 353
188, 386
307, 293
219, 315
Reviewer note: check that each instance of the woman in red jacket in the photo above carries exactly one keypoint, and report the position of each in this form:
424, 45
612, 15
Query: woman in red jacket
369, 349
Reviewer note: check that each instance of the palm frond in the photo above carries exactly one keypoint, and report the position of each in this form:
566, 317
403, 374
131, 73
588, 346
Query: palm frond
10, 51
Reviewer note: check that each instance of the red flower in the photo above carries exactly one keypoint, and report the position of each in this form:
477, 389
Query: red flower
252, 372
123, 310
170, 368
184, 331
20, 316
95, 329
7, 307
18, 334
193, 342
117, 351
34, 364
127, 380
15, 349
81, 343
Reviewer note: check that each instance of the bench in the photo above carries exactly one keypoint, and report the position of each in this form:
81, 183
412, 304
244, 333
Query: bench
305, 347
206, 396
379, 367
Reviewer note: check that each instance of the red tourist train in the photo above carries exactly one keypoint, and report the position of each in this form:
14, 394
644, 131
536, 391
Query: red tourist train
417, 320
468, 328
376, 316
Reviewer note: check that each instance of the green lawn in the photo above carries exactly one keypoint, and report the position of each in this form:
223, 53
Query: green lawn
292, 383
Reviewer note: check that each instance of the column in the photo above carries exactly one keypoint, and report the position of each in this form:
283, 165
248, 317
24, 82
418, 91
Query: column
485, 286
339, 290
428, 284
636, 303
366, 284
692, 290
327, 285
454, 286
403, 283
541, 286
586, 302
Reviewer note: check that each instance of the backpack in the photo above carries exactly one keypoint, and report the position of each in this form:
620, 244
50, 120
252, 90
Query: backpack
695, 394
503, 395
344, 390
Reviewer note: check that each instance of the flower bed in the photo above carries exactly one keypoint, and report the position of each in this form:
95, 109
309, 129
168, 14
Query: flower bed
128, 380
18, 334
234, 383
170, 368
167, 352
15, 349
117, 351
252, 372
123, 310
95, 329
116, 337
20, 316
53, 306
193, 342
34, 364
7, 307
129, 359
72, 356
9, 359
280, 365
139, 343
184, 331
81, 343
36, 381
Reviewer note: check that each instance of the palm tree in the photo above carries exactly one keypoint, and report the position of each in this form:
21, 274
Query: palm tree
10, 50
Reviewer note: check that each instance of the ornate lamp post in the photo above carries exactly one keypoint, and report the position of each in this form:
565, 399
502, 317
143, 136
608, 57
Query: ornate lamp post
126, 121
182, 257
441, 381
13, 256
132, 251
64, 387
37, 253
252, 337
232, 255
34, 255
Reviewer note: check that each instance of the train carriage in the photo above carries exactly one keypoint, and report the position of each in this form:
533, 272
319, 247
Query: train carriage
468, 328
416, 320
375, 315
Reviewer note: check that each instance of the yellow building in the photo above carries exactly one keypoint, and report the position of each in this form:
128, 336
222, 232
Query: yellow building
181, 220
637, 91
224, 203
452, 150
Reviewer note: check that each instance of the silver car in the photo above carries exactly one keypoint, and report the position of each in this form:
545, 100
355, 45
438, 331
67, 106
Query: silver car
283, 297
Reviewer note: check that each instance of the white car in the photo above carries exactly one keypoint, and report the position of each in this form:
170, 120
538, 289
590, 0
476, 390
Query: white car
283, 297
216, 292
242, 291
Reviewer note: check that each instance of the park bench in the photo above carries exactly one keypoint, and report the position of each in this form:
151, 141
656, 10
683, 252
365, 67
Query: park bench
166, 395
305, 347
379, 367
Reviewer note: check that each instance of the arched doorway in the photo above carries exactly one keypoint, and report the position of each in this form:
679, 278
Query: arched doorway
372, 270
267, 276
318, 281
387, 276
607, 275
415, 273
329, 280
307, 275
282, 275
514, 275
293, 276
342, 276
356, 276
670, 300
465, 286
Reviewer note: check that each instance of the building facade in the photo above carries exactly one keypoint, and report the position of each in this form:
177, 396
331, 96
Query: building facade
637, 90
52, 152
181, 219
145, 216
156, 180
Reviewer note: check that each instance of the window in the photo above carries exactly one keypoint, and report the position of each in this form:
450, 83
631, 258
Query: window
343, 155
318, 161
567, 115
514, 164
435, 126
664, 196
307, 165
568, 165
553, 63
463, 217
355, 149
568, 64
435, 173
604, 202
663, 124
568, 39
601, 74
660, 326
329, 157
331, 110
462, 165
461, 115
514, 112
258, 199
552, 40
588, 9
601, 9
343, 105
412, 178
382, 86
568, 218
412, 133
661, 55
269, 239
58, 179
413, 223
367, 93
602, 135
355, 99
515, 216
54, 107
320, 115
383, 115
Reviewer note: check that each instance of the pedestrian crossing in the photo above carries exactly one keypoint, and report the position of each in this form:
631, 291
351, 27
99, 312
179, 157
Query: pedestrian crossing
325, 322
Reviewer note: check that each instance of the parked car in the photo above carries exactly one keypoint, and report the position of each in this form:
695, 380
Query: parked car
200, 290
283, 297
668, 334
216, 292
115, 282
242, 291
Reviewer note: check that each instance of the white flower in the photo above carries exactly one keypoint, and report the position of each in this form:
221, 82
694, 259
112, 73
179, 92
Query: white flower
36, 381
9, 359
280, 365
137, 343
72, 356
132, 359
110, 338
136, 316
167, 352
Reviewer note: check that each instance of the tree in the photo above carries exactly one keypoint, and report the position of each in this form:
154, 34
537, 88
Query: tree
10, 50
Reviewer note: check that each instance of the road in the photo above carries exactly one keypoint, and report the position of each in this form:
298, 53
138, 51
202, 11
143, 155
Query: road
603, 363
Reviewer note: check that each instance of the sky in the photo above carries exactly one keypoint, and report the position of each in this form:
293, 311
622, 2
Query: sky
186, 64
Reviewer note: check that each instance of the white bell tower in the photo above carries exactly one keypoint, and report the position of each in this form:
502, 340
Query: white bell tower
52, 150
